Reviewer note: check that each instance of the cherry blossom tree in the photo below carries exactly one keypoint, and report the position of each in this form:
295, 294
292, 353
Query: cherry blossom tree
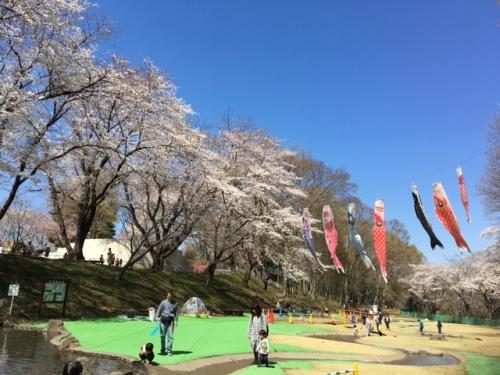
472, 284
46, 63
163, 200
135, 113
255, 187
25, 227
489, 188
426, 283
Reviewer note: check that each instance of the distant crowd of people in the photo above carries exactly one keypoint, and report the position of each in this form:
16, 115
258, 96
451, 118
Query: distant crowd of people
27, 250
371, 320
420, 324
111, 260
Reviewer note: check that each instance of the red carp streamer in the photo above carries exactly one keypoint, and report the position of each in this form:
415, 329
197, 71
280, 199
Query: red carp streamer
379, 236
463, 192
331, 237
445, 214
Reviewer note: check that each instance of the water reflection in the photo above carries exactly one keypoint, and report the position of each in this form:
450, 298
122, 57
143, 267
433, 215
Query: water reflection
28, 352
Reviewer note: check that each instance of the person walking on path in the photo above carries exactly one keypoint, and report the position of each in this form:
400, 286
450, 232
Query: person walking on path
421, 326
378, 321
387, 321
439, 326
369, 323
257, 323
167, 315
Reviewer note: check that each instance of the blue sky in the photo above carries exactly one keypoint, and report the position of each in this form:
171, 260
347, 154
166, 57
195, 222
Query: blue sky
396, 92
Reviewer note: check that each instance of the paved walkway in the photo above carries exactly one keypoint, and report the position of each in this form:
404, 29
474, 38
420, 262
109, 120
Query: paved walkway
224, 364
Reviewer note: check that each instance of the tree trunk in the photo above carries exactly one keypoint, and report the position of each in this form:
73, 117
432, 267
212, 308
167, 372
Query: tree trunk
10, 198
248, 271
266, 281
210, 272
246, 276
58, 216
86, 213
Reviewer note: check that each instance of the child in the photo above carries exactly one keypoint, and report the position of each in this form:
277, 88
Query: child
439, 326
355, 332
263, 348
146, 353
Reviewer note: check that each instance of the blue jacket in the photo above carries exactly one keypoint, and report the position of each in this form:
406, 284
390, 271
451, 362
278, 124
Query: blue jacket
167, 310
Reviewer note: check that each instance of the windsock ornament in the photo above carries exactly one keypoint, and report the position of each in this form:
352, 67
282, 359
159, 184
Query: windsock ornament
422, 217
463, 192
307, 234
379, 236
355, 240
445, 214
331, 237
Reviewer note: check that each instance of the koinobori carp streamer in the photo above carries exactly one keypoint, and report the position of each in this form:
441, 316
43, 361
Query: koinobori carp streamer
463, 192
445, 214
331, 237
307, 233
355, 240
379, 236
422, 217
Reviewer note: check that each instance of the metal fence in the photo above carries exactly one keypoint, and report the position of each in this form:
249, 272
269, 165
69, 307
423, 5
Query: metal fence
452, 319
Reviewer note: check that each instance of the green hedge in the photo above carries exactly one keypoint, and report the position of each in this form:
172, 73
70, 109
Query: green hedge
452, 319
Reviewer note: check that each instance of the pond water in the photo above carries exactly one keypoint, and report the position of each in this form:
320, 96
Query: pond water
29, 352
426, 360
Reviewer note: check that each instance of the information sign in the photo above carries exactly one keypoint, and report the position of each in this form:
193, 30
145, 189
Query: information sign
54, 291
13, 290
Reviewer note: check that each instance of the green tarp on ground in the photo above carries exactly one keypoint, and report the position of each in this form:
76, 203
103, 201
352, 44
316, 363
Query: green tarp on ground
481, 365
193, 338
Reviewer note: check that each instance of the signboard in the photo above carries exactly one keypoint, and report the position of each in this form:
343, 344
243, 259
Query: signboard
13, 290
54, 291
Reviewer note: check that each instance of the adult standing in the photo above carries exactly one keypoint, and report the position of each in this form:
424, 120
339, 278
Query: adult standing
257, 323
369, 323
167, 315
278, 307
387, 321
421, 326
110, 258
439, 326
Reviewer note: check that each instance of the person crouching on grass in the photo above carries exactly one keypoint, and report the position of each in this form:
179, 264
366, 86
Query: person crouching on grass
263, 348
146, 353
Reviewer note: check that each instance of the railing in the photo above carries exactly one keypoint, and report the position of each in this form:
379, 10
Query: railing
451, 318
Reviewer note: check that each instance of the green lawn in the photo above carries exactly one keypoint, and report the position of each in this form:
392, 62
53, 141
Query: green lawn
95, 291
193, 338
481, 365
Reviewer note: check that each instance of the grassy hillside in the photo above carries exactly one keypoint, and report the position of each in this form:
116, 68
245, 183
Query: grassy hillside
94, 290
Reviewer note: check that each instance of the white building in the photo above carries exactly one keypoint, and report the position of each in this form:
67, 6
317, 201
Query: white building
93, 248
